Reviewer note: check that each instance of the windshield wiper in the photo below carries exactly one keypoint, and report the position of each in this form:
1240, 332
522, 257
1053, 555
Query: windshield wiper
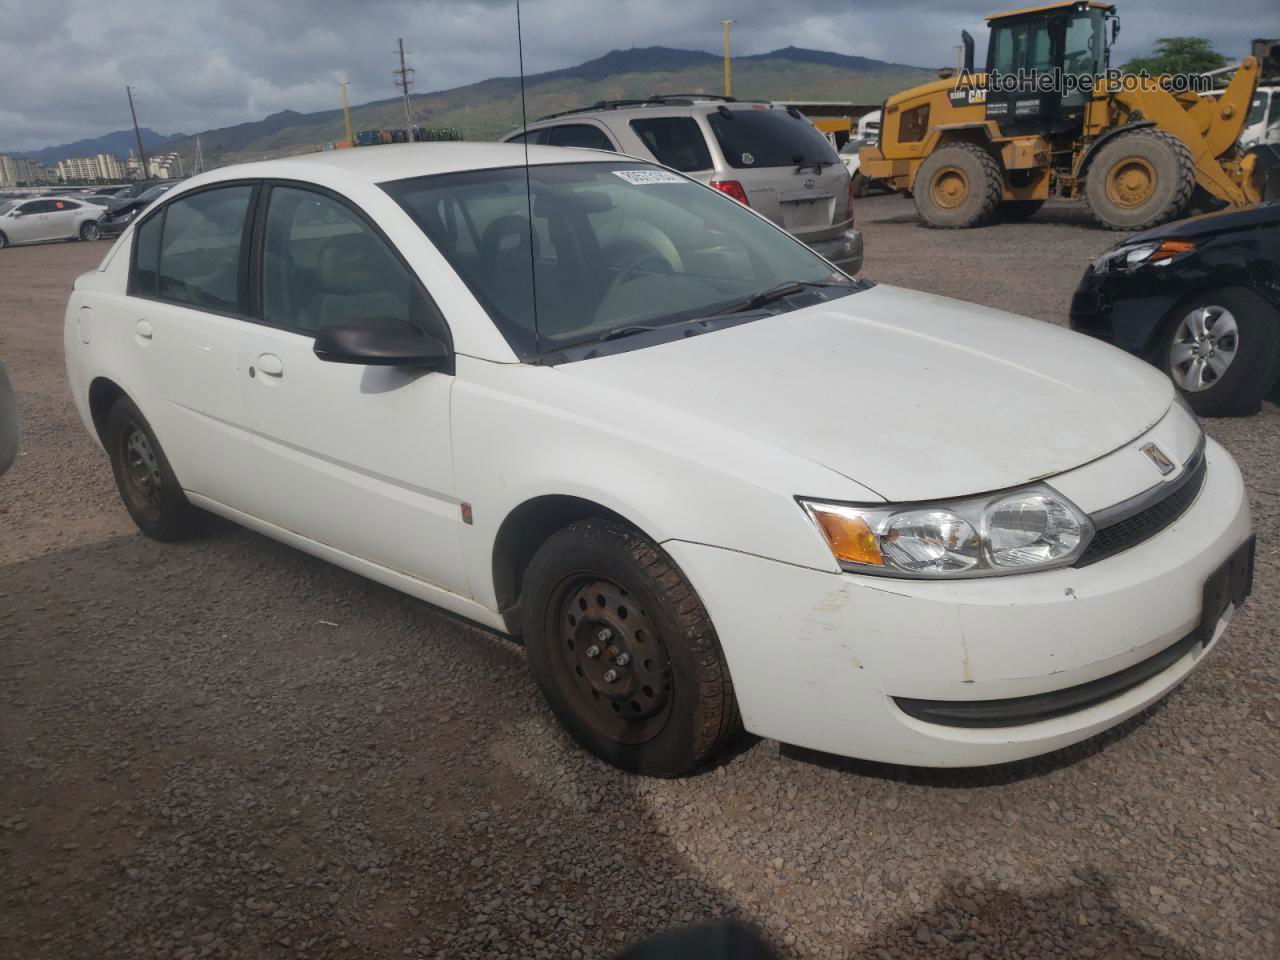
817, 165
617, 333
773, 295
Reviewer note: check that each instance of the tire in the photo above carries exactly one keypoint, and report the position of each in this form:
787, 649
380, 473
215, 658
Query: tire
669, 706
1239, 326
861, 185
145, 480
89, 230
4, 241
1016, 211
958, 186
1140, 179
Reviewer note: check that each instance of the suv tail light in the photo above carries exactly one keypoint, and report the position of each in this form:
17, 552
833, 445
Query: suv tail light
734, 189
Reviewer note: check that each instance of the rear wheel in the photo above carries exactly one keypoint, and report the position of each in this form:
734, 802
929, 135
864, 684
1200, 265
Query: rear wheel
90, 230
958, 186
1222, 351
4, 241
1016, 211
624, 651
1140, 179
147, 486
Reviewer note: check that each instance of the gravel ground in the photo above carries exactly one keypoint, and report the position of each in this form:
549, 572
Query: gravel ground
227, 748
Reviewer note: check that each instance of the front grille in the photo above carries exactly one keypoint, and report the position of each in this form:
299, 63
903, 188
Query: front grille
1132, 530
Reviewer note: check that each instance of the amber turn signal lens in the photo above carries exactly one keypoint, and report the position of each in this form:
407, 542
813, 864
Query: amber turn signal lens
1170, 248
851, 540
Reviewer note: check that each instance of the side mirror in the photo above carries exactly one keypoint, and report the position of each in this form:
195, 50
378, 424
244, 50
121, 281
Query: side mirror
381, 342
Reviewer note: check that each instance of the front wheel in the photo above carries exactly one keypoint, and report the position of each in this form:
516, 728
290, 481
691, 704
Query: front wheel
959, 185
624, 651
90, 230
4, 241
1222, 351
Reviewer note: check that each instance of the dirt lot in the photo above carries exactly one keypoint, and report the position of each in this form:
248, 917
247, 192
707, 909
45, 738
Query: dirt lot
227, 748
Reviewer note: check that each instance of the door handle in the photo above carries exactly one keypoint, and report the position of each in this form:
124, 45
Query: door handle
270, 364
144, 329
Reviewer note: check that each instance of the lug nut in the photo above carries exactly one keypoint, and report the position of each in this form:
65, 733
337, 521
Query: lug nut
623, 659
610, 676
604, 634
593, 651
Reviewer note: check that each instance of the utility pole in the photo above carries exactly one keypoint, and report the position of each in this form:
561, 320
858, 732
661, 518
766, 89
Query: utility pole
404, 80
142, 156
728, 69
346, 115
199, 156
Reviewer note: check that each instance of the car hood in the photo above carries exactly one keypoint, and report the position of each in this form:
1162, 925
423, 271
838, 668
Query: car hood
1218, 221
913, 396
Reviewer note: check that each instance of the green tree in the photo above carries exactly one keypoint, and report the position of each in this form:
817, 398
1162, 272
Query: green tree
1178, 55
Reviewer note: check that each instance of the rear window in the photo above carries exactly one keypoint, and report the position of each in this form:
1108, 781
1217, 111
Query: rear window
768, 138
674, 141
578, 135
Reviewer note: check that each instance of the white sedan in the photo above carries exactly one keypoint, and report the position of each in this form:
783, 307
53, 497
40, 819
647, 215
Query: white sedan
709, 479
48, 218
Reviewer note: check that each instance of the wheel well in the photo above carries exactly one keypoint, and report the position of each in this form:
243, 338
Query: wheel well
103, 394
524, 530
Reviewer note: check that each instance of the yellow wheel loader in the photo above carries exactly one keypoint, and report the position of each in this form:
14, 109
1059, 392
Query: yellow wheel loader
1049, 118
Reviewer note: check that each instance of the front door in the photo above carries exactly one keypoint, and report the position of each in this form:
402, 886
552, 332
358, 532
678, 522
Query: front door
355, 457
30, 222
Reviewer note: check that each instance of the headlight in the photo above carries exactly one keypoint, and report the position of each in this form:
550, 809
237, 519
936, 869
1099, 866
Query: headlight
1158, 253
1034, 528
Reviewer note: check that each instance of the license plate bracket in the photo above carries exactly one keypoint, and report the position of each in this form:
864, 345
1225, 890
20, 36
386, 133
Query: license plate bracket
1230, 584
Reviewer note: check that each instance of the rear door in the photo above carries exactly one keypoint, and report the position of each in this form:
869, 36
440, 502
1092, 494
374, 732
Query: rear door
64, 221
789, 170
187, 293
354, 457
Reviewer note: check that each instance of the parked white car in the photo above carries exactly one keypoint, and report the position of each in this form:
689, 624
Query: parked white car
705, 475
48, 218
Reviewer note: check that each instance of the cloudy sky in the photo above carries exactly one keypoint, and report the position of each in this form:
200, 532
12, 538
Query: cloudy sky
200, 64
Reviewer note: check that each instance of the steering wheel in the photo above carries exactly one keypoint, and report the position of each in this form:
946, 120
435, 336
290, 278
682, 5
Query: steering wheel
641, 255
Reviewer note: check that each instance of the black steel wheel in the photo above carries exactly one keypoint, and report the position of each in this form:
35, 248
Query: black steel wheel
624, 651
150, 491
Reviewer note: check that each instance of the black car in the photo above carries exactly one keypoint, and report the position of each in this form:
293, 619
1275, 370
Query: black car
121, 211
1200, 299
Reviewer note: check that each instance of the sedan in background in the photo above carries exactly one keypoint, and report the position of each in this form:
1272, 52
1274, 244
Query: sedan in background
121, 213
48, 218
1200, 299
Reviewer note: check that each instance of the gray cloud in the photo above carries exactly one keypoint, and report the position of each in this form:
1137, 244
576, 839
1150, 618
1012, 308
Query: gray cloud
64, 63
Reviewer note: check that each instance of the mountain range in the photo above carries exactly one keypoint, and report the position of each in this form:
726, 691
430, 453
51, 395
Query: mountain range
490, 108
118, 143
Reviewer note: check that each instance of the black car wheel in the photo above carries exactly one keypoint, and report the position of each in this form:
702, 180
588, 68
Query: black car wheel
624, 651
1222, 350
147, 485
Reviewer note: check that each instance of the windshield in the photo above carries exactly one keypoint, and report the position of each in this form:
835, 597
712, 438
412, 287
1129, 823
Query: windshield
614, 245
768, 138
7, 205
1257, 110
154, 192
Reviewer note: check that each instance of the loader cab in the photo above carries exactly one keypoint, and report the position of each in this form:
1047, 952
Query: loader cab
1032, 57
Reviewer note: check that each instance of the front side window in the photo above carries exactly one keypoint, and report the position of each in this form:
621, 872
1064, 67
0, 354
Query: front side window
675, 141
768, 138
36, 206
322, 265
146, 257
579, 135
610, 245
200, 248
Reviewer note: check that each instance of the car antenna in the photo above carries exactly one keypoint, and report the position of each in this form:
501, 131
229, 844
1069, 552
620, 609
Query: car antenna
528, 190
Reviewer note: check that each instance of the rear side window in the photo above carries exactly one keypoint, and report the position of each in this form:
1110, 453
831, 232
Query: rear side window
768, 138
578, 135
200, 248
674, 141
146, 257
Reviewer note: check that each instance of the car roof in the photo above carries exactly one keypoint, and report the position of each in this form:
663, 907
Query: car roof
399, 161
628, 110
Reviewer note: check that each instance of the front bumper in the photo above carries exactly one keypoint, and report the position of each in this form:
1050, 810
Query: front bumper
1123, 309
820, 659
844, 251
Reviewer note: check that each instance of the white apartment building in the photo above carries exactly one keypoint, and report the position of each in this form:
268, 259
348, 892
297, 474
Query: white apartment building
103, 166
22, 170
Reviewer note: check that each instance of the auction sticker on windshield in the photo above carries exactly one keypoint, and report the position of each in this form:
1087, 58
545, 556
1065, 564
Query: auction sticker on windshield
642, 177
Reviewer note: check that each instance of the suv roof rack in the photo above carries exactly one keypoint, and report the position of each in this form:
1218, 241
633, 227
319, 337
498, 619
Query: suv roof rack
667, 99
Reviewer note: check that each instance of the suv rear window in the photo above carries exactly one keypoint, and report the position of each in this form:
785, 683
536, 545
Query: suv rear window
674, 141
578, 135
768, 138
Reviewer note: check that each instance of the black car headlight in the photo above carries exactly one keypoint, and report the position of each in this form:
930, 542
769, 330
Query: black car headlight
1130, 256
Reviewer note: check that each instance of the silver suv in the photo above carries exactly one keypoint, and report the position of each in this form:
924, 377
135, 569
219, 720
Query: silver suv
766, 156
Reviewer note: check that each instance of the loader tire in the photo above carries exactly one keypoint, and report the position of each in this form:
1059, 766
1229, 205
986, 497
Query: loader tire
958, 186
1140, 179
